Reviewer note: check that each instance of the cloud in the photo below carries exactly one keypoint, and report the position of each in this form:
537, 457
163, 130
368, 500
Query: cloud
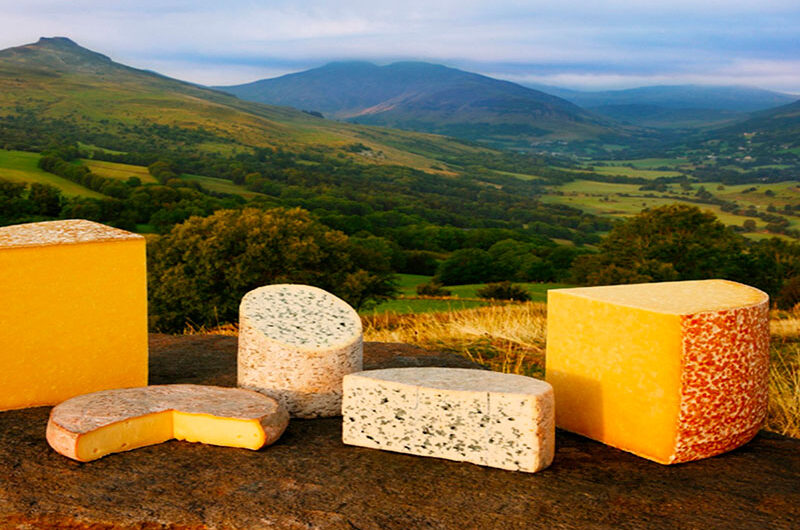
582, 43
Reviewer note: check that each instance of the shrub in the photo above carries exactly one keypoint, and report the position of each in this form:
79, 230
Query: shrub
199, 271
789, 295
504, 291
432, 288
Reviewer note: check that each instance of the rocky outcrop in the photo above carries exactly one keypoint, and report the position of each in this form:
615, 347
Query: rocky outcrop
310, 479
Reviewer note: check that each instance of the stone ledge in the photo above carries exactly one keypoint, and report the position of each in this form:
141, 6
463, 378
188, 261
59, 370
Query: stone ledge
309, 479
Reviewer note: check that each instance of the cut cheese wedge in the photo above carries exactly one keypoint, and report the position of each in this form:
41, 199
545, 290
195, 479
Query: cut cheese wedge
296, 342
486, 418
91, 426
73, 311
672, 371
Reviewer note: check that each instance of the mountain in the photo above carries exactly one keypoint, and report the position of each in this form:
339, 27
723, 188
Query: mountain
674, 106
777, 130
432, 98
55, 85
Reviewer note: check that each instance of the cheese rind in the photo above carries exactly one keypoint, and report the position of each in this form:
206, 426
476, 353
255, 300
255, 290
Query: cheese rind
73, 311
91, 426
672, 372
485, 418
296, 342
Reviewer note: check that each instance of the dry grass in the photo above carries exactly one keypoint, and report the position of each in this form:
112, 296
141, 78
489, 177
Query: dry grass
511, 338
506, 338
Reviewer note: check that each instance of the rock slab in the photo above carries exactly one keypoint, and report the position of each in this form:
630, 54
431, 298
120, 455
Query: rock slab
309, 479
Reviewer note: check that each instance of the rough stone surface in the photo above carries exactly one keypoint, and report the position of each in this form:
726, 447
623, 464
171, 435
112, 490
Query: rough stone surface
309, 479
296, 342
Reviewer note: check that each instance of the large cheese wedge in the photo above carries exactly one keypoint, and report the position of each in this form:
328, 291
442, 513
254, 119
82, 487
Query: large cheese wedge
73, 311
296, 342
91, 426
672, 371
486, 418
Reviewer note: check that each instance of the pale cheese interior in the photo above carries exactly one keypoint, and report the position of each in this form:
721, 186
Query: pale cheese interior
159, 427
614, 357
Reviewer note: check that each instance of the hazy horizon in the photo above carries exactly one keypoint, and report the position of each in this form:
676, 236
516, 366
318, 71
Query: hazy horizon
582, 45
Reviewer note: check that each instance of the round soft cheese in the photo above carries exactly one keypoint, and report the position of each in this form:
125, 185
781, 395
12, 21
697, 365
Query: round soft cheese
93, 425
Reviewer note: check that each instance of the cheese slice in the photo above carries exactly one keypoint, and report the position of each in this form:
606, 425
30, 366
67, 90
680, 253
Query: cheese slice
73, 311
486, 418
91, 426
672, 371
296, 342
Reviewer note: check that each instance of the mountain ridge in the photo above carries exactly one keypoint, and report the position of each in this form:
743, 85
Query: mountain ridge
428, 97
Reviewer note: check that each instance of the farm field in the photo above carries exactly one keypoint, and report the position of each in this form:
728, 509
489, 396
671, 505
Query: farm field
220, 185
624, 200
117, 171
22, 166
463, 296
635, 172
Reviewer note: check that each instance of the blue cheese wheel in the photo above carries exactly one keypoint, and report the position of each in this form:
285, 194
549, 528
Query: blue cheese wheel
486, 418
296, 343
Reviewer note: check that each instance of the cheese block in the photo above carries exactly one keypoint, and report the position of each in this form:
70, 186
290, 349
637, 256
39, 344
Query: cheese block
73, 311
672, 371
296, 342
91, 426
486, 418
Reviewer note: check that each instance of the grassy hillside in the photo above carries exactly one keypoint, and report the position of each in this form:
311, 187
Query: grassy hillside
55, 85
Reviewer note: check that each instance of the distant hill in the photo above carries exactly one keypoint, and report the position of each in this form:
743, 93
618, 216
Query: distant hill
777, 128
56, 85
429, 97
674, 106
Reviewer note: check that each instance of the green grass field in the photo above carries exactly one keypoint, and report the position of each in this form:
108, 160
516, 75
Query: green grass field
407, 284
21, 166
624, 200
117, 171
635, 172
220, 185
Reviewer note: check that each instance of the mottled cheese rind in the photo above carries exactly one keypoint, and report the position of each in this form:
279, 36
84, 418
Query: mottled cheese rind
91, 426
296, 343
671, 372
486, 418
73, 311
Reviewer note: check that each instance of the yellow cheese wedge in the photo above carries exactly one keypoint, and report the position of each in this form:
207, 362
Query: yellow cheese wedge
672, 371
91, 426
73, 311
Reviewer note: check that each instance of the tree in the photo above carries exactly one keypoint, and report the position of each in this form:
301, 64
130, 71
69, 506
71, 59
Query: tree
672, 242
46, 199
469, 265
200, 270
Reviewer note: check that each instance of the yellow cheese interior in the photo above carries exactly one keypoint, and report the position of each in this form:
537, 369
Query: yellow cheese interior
159, 427
616, 372
73, 320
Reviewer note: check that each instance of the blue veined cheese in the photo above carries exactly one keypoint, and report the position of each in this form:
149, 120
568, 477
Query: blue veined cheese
296, 342
486, 418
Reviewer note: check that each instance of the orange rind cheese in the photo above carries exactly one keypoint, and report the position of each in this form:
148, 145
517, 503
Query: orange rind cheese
73, 311
672, 372
94, 425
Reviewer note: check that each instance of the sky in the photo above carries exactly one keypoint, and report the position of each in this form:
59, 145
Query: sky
582, 44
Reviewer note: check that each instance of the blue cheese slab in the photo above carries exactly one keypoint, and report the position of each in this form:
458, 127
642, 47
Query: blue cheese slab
486, 418
296, 343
